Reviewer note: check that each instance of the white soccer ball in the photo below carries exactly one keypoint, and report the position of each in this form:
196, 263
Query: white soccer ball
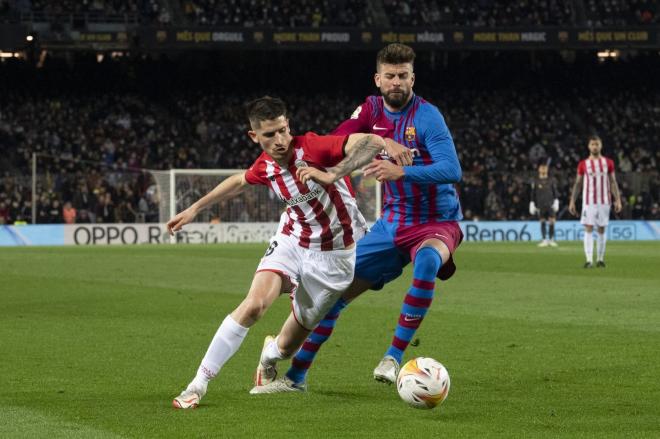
423, 383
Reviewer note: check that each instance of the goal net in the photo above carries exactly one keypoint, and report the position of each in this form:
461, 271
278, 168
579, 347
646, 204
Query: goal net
179, 188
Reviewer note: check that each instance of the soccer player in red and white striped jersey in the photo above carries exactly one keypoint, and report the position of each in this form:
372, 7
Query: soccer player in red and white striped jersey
312, 255
597, 177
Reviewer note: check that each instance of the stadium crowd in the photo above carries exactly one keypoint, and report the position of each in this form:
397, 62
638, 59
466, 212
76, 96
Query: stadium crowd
94, 10
277, 13
478, 13
621, 12
354, 13
95, 145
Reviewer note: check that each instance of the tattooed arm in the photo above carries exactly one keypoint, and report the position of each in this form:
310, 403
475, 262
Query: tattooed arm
574, 193
360, 149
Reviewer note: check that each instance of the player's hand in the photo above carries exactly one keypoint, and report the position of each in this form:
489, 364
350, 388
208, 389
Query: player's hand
402, 156
321, 177
571, 208
555, 205
180, 220
532, 208
617, 206
384, 170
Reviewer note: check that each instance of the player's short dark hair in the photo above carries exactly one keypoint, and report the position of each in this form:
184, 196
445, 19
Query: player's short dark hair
264, 108
395, 53
594, 137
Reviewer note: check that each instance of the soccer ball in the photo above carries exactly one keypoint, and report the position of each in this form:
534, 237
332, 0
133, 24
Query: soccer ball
423, 383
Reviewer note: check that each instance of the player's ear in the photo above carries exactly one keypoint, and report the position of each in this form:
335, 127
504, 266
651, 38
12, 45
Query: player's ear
253, 135
377, 79
412, 79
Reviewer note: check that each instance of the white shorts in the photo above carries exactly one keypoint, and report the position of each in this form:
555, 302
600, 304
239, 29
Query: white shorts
595, 215
317, 279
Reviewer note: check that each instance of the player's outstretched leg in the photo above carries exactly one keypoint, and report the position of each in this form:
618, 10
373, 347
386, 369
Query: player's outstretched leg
303, 359
414, 308
225, 343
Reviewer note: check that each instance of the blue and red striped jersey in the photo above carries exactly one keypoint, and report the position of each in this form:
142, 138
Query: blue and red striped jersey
426, 193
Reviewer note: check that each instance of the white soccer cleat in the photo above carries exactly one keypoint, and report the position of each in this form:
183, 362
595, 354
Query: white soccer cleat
280, 385
265, 374
553, 243
544, 243
189, 398
387, 370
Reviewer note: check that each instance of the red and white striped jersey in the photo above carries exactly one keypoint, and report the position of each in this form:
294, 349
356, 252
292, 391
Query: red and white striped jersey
320, 217
596, 181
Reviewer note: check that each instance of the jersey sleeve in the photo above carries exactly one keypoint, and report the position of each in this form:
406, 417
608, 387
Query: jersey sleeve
610, 166
358, 122
324, 150
581, 170
435, 135
256, 174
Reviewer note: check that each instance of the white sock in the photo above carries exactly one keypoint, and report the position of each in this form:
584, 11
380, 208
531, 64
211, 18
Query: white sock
225, 343
271, 354
600, 246
589, 246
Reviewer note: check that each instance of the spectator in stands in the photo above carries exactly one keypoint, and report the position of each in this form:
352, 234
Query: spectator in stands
69, 213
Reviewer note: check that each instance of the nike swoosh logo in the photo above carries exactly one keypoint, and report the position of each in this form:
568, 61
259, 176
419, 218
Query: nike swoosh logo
376, 127
409, 319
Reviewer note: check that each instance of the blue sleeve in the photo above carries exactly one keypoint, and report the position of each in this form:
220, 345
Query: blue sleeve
435, 135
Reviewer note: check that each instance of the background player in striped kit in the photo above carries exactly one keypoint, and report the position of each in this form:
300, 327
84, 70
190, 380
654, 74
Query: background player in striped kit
312, 256
421, 210
598, 180
545, 203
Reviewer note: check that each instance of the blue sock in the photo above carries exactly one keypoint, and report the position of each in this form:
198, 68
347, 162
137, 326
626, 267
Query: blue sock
417, 301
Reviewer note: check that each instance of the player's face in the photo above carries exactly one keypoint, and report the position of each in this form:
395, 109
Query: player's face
543, 172
395, 82
595, 146
274, 137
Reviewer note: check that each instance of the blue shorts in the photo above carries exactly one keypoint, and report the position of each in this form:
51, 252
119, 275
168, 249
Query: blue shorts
388, 248
378, 260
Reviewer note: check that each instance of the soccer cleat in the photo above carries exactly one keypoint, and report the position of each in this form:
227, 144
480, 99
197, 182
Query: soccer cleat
387, 370
600, 264
588, 265
280, 385
189, 398
543, 243
553, 243
265, 374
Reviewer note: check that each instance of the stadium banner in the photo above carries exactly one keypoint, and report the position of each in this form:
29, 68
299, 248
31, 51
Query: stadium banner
96, 40
618, 230
424, 38
202, 233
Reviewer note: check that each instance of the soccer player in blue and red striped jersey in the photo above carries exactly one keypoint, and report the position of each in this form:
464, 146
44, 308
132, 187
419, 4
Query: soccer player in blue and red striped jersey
421, 210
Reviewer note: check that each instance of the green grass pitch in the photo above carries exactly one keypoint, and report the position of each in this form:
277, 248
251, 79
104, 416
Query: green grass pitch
95, 342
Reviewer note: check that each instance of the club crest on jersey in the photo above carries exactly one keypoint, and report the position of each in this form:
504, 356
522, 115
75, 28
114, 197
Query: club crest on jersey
410, 134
